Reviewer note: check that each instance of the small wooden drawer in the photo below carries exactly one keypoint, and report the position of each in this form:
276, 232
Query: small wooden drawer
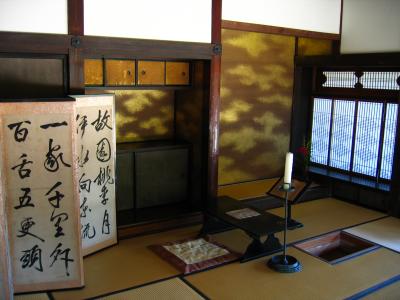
177, 73
93, 72
151, 72
120, 72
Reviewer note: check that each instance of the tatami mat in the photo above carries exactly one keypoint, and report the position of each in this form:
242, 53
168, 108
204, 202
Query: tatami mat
325, 215
318, 217
128, 264
385, 232
390, 292
247, 190
173, 289
36, 296
318, 279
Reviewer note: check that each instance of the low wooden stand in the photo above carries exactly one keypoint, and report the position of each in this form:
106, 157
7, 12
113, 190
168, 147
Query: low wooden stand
263, 224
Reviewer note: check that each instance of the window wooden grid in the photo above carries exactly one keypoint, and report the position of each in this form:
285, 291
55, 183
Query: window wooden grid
354, 136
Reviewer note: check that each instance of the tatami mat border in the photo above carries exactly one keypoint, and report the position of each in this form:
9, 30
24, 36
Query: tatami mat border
374, 288
194, 288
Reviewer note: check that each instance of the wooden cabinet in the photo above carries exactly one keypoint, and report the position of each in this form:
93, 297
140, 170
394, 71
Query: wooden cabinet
120, 72
150, 175
93, 72
151, 72
177, 73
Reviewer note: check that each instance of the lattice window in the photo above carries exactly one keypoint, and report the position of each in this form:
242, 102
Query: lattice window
354, 135
358, 79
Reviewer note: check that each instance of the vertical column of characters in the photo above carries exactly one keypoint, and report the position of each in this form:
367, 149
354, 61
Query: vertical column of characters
105, 178
55, 162
27, 237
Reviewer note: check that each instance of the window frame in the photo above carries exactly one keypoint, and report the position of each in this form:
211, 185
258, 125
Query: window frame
356, 100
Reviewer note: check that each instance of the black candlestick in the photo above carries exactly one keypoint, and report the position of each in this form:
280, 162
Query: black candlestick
285, 263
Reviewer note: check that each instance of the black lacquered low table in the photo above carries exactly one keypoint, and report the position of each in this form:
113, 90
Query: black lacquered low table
227, 213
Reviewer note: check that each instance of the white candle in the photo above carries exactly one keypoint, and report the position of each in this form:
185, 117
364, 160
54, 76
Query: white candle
287, 178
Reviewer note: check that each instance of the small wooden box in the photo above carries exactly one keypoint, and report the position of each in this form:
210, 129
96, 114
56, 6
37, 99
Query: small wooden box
93, 70
177, 73
120, 72
151, 72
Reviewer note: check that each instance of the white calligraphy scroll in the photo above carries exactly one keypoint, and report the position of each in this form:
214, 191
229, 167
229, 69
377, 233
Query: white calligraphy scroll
96, 145
6, 284
42, 201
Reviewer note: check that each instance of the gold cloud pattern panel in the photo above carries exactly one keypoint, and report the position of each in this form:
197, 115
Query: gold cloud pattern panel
256, 100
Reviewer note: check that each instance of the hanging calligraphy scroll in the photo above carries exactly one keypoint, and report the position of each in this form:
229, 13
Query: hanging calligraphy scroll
6, 285
95, 136
42, 201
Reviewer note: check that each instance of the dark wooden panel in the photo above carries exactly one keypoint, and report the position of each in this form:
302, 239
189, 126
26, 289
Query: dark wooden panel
146, 49
120, 72
214, 108
151, 72
373, 60
161, 177
277, 30
75, 64
18, 42
75, 17
216, 21
24, 77
191, 124
124, 181
177, 73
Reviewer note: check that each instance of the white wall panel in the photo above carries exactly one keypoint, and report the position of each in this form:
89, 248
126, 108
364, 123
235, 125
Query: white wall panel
313, 15
176, 20
370, 26
44, 16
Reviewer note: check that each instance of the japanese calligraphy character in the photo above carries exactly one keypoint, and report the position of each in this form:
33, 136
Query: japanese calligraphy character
83, 158
64, 255
25, 199
51, 163
84, 185
84, 208
103, 195
19, 133
32, 258
101, 122
56, 124
26, 225
55, 200
61, 217
82, 125
105, 229
103, 152
86, 231
104, 176
22, 171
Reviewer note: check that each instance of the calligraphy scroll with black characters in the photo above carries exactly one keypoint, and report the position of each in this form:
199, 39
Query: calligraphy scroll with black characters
41, 194
95, 135
6, 284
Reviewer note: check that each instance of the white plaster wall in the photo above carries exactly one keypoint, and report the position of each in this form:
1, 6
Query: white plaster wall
176, 20
313, 15
370, 26
44, 16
